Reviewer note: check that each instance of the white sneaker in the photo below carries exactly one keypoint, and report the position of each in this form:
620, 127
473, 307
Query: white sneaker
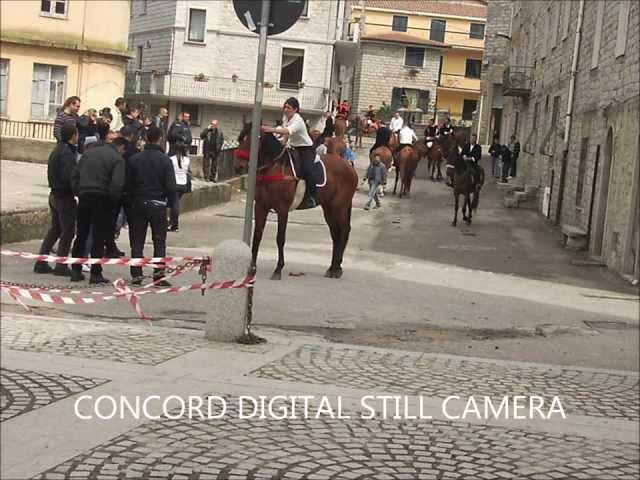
86, 268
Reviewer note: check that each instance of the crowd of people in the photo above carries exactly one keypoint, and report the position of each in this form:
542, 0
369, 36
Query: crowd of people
114, 167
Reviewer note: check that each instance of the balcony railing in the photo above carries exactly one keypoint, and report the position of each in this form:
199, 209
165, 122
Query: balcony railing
452, 80
222, 89
31, 129
517, 81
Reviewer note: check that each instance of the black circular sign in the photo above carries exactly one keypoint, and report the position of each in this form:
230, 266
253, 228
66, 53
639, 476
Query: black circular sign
283, 14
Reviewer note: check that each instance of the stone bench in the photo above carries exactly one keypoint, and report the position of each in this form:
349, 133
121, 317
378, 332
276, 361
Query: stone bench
575, 238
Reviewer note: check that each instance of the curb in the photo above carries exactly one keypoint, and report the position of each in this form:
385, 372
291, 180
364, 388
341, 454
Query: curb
29, 224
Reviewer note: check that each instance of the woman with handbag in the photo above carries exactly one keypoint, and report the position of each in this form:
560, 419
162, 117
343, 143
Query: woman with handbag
182, 168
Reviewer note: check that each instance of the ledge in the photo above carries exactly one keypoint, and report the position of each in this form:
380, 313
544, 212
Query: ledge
67, 46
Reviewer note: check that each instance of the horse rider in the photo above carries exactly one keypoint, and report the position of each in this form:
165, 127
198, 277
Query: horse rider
471, 154
407, 137
446, 128
294, 131
383, 135
430, 132
397, 122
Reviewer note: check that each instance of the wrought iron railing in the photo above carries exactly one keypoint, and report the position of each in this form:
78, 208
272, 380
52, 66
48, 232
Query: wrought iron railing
31, 129
222, 89
517, 81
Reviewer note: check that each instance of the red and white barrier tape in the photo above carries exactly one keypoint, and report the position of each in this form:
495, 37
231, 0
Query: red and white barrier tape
122, 290
133, 262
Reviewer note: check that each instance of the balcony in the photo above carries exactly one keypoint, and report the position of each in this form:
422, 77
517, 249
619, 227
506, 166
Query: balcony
221, 90
458, 82
517, 81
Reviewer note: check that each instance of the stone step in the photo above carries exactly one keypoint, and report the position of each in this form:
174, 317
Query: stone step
510, 202
575, 238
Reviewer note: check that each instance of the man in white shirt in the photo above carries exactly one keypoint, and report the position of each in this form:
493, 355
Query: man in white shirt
397, 123
407, 136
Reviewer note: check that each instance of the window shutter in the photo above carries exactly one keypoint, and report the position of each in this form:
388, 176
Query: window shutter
396, 98
423, 100
39, 87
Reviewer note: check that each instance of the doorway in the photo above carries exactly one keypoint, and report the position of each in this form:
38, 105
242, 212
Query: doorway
603, 197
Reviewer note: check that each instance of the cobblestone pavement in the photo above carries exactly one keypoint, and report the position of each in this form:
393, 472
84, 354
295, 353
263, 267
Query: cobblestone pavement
325, 448
116, 342
581, 392
22, 391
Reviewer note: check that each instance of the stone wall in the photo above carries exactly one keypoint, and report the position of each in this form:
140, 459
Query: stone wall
606, 100
380, 68
496, 53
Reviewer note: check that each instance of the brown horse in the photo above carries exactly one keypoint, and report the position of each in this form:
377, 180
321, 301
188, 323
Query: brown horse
276, 190
340, 127
336, 146
434, 160
405, 170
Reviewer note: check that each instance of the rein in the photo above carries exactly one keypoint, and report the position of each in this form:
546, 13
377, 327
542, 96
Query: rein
274, 177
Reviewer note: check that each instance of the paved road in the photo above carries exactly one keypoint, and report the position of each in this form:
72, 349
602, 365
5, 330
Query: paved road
500, 288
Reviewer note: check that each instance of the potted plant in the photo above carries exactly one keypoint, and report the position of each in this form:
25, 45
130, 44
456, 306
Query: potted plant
234, 78
201, 77
268, 85
413, 72
300, 84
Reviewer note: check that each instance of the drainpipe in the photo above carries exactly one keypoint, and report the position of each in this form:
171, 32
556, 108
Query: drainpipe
480, 116
569, 116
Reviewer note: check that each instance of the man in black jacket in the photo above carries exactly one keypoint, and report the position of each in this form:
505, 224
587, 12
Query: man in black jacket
180, 132
97, 180
382, 137
505, 153
213, 140
472, 152
62, 205
151, 182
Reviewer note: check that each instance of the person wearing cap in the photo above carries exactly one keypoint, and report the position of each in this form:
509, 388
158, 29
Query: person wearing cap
294, 131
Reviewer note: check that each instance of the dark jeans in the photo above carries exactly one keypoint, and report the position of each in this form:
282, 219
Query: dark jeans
506, 166
95, 214
63, 212
210, 166
514, 162
142, 214
111, 239
308, 157
174, 209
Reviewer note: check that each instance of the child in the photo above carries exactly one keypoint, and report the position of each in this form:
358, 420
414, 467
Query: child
350, 155
376, 175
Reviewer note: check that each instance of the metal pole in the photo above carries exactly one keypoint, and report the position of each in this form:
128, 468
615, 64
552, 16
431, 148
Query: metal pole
255, 119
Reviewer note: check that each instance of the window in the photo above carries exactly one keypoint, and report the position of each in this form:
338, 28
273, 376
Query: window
197, 25
476, 30
468, 107
472, 68
556, 111
582, 162
595, 54
144, 7
139, 50
414, 57
415, 98
47, 90
193, 110
53, 8
556, 24
438, 28
623, 23
399, 24
291, 68
305, 9
536, 108
4, 85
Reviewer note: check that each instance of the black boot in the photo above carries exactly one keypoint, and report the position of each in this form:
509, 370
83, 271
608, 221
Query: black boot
62, 270
77, 276
97, 278
42, 267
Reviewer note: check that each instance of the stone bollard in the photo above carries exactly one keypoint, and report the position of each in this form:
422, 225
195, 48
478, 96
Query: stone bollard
227, 317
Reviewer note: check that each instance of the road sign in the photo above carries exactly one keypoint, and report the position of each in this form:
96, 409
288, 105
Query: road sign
283, 14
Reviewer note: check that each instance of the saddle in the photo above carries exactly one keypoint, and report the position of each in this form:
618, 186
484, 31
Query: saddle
318, 175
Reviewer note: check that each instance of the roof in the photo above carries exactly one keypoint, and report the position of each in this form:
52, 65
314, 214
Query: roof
404, 38
461, 8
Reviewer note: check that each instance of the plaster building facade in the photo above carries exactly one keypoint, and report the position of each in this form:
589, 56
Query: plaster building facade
582, 151
458, 24
196, 56
53, 49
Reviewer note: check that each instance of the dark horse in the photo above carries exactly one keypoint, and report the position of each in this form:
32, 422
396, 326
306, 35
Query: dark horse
276, 190
462, 175
434, 157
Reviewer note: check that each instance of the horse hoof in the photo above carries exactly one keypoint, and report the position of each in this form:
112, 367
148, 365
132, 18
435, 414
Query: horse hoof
328, 274
276, 276
337, 273
453, 224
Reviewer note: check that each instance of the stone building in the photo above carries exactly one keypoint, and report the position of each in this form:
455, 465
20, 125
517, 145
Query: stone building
582, 152
414, 24
53, 49
496, 53
196, 56
390, 65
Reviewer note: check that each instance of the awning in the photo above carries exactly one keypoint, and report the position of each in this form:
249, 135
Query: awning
346, 52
